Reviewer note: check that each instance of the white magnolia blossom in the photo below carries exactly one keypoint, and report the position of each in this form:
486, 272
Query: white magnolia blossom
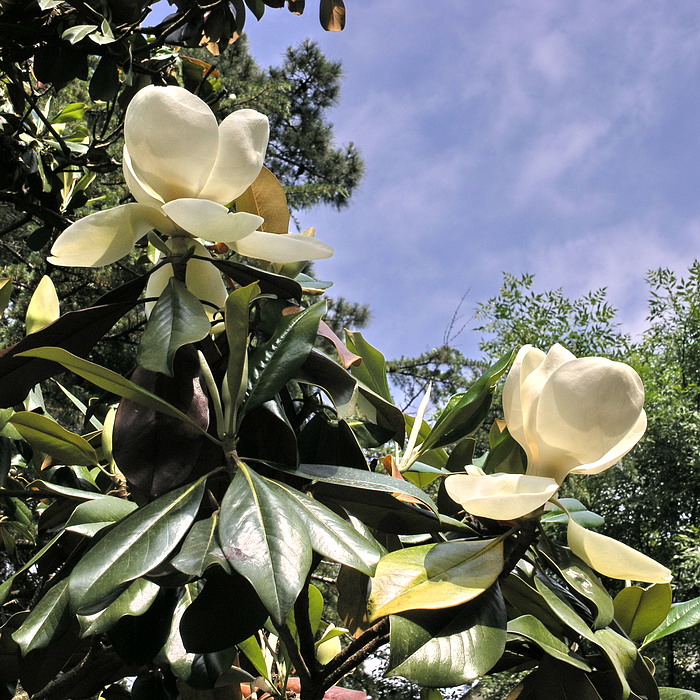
184, 170
571, 416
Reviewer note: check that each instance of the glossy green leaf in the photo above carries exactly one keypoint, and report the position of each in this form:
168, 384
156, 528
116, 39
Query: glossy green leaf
135, 601
434, 576
359, 479
78, 32
134, 547
237, 311
200, 548
640, 611
577, 511
449, 647
178, 657
678, 694
681, 616
6, 288
465, 412
45, 435
275, 362
583, 580
264, 540
177, 319
111, 381
434, 458
65, 491
330, 535
556, 680
75, 111
49, 619
372, 370
104, 83
534, 630
253, 652
567, 615
43, 306
107, 509
505, 454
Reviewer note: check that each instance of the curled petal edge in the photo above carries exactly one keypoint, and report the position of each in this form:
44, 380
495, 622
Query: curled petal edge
500, 496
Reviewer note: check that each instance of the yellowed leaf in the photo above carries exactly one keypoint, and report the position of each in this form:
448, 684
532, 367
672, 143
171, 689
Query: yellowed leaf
43, 307
266, 198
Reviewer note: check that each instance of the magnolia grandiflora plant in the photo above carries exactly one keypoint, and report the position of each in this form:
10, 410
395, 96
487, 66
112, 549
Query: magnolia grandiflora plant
185, 172
571, 416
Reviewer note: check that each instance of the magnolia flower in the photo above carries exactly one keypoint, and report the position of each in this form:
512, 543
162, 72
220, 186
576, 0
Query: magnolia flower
183, 169
571, 416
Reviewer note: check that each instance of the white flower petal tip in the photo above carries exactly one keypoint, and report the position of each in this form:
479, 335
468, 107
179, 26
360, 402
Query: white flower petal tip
614, 559
243, 138
572, 415
500, 496
105, 237
282, 247
214, 222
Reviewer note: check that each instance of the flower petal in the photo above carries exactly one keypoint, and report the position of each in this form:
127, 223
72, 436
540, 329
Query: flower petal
500, 496
282, 247
211, 221
105, 237
526, 361
590, 413
141, 191
173, 140
201, 278
243, 137
612, 558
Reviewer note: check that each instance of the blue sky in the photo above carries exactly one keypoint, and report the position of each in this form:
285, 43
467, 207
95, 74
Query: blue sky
557, 138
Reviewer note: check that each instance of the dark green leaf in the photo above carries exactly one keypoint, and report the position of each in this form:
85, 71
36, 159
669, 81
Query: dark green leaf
465, 412
177, 319
257, 7
274, 363
49, 619
200, 548
678, 694
449, 647
135, 601
226, 612
264, 540
134, 547
104, 84
532, 629
330, 535
270, 283
372, 370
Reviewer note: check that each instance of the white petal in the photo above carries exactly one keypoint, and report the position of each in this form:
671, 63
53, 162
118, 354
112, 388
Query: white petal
105, 237
590, 413
614, 559
243, 137
282, 247
211, 221
201, 278
526, 361
173, 140
141, 191
500, 496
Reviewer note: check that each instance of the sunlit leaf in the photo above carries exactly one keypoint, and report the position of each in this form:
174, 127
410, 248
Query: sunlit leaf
135, 600
111, 381
43, 306
372, 370
134, 547
44, 434
264, 540
200, 549
6, 288
49, 619
640, 611
680, 617
434, 576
